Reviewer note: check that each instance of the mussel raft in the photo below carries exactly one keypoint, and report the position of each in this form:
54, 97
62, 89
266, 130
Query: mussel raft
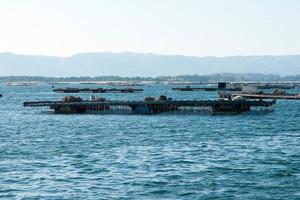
149, 105
97, 90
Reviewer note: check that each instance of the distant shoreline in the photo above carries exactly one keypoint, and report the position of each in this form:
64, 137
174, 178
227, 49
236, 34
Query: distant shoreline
182, 78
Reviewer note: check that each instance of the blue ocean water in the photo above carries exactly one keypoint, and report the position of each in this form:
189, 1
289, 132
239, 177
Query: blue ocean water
46, 156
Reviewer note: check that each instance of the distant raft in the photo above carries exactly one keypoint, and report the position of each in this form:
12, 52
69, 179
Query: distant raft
222, 86
275, 86
98, 90
150, 105
208, 89
277, 94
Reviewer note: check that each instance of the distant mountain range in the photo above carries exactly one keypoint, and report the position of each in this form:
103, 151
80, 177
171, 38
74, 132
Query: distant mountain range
134, 64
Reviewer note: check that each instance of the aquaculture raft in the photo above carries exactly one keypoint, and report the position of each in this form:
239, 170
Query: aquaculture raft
222, 86
97, 90
261, 96
152, 107
210, 89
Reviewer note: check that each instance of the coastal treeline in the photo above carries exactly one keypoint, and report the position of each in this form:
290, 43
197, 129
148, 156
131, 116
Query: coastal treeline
193, 78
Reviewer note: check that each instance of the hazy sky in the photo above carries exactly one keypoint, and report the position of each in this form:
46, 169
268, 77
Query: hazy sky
188, 27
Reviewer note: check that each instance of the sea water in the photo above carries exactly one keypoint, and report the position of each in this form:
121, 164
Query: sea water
43, 155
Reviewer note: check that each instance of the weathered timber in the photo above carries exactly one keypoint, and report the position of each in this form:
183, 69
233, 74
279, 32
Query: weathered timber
276, 86
261, 96
206, 89
97, 90
152, 107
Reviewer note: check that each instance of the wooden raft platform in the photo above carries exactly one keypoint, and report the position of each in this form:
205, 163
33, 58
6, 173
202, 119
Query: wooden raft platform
205, 89
152, 107
261, 96
97, 90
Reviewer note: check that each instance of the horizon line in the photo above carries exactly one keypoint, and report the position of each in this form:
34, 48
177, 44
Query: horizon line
116, 76
154, 54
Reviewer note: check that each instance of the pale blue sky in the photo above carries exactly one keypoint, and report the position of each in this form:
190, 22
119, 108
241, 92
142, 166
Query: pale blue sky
188, 27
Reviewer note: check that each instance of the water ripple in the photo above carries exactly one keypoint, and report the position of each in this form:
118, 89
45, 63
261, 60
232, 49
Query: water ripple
47, 156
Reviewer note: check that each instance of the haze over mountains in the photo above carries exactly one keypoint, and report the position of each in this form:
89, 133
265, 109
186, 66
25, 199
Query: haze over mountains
135, 64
